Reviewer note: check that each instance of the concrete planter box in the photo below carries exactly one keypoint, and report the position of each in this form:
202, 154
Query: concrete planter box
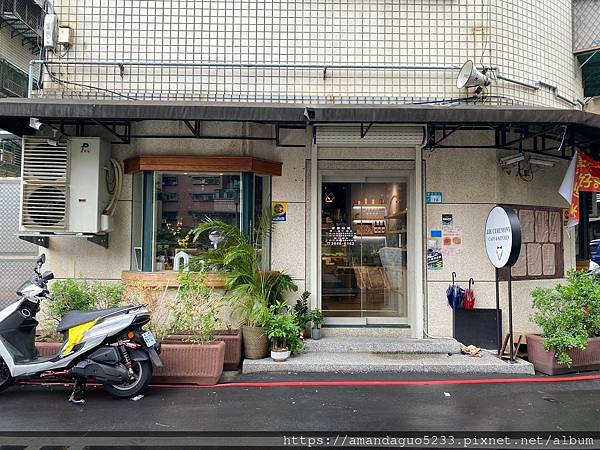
545, 362
233, 348
46, 349
233, 345
200, 364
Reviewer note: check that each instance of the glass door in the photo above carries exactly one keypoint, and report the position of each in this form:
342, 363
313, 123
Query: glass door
364, 249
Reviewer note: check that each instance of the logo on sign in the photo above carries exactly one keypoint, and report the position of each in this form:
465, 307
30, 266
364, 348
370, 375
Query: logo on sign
502, 237
85, 147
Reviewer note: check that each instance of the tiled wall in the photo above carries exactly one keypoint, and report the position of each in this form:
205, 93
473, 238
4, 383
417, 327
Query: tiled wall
529, 40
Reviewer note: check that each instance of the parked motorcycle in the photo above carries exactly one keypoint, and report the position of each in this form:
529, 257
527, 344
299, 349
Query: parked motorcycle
108, 346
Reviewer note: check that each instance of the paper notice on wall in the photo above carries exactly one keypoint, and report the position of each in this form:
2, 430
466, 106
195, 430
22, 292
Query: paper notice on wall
452, 242
435, 259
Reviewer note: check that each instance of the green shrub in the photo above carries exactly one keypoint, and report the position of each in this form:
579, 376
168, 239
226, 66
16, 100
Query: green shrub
301, 310
317, 318
568, 314
283, 330
72, 294
194, 312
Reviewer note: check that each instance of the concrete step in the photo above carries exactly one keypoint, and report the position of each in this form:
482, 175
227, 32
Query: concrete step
397, 332
379, 344
357, 362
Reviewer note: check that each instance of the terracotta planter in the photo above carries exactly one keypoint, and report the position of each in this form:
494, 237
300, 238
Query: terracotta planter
256, 344
545, 362
233, 348
191, 363
47, 349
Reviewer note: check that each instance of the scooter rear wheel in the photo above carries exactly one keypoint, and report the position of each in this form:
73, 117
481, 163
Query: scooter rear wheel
143, 374
5, 379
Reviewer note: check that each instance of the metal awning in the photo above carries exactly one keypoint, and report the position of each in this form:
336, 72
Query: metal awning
584, 127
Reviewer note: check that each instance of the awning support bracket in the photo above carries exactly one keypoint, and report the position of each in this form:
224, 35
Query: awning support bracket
99, 239
42, 241
112, 129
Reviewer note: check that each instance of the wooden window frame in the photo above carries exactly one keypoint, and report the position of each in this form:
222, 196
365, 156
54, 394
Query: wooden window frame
559, 255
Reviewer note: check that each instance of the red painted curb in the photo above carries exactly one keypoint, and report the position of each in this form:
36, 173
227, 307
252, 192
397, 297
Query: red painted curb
384, 383
357, 383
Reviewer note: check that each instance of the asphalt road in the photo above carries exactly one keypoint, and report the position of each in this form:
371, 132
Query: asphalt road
556, 407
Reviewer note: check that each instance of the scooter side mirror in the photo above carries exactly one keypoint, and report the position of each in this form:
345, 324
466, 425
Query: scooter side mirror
47, 276
42, 259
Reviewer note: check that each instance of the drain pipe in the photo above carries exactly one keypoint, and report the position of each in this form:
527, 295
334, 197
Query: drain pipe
422, 319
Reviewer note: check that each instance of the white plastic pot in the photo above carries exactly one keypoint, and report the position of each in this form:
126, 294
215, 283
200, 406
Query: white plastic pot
280, 355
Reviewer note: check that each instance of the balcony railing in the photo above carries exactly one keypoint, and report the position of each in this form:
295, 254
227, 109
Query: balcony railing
13, 82
26, 19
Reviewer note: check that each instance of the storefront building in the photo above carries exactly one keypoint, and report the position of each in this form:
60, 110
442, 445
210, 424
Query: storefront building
351, 121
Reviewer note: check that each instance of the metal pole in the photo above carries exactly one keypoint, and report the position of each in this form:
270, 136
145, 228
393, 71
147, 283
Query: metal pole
498, 316
30, 80
510, 316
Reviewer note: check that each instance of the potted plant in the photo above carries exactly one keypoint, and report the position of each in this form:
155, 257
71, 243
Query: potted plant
569, 316
284, 332
249, 289
302, 313
190, 354
317, 319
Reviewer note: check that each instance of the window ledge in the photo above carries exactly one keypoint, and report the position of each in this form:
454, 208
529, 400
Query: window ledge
167, 279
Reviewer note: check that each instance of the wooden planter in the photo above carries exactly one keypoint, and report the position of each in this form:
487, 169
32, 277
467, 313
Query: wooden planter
233, 348
545, 362
200, 364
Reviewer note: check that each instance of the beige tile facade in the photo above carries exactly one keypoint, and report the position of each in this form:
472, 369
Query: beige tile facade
370, 50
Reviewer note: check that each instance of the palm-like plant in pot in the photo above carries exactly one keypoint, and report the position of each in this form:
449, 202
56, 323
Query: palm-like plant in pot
284, 332
249, 288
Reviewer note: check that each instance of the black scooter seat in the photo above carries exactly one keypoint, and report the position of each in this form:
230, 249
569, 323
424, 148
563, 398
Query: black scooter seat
74, 318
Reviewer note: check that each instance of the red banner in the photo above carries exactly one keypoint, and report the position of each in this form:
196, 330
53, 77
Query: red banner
587, 179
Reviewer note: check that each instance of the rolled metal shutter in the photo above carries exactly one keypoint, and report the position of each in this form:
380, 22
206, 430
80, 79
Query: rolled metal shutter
369, 135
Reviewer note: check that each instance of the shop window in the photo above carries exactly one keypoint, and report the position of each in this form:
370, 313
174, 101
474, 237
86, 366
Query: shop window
542, 254
196, 197
178, 205
262, 200
206, 180
170, 197
170, 205
169, 180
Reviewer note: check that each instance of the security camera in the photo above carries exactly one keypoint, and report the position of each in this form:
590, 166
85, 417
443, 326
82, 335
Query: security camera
35, 123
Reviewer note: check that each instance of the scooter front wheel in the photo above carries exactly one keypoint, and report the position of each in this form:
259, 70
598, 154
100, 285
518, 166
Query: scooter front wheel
143, 374
5, 378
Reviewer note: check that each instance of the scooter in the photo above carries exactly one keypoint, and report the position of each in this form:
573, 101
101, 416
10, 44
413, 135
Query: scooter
107, 346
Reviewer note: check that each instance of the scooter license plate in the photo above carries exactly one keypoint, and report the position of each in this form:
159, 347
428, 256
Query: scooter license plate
148, 338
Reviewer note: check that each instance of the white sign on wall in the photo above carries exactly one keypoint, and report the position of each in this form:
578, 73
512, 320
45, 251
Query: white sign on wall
502, 237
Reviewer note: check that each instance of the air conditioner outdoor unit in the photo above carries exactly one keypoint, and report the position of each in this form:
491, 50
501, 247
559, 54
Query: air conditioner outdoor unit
64, 185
